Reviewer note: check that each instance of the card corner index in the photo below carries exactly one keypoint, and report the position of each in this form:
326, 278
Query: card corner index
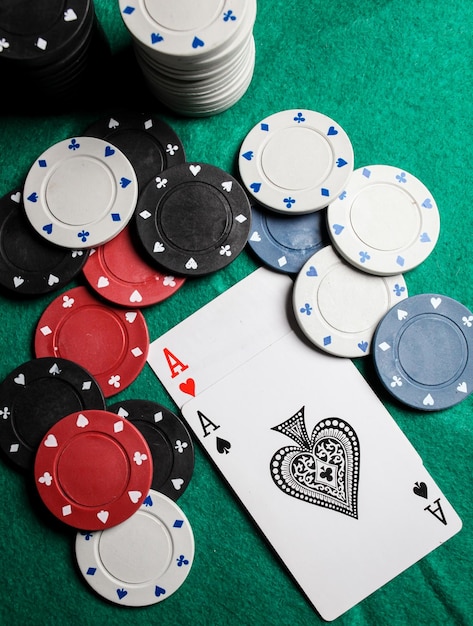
221, 335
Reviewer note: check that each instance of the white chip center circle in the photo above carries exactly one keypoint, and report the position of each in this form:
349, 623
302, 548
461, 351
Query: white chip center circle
80, 190
183, 15
296, 158
385, 217
136, 551
357, 306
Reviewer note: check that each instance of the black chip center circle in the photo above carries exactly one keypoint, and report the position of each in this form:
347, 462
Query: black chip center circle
194, 217
432, 351
37, 409
161, 452
36, 256
23, 17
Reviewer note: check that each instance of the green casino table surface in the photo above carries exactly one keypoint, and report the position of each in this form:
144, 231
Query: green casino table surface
398, 77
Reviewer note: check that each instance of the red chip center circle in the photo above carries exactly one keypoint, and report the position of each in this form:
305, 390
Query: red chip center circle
85, 332
93, 470
120, 259
111, 343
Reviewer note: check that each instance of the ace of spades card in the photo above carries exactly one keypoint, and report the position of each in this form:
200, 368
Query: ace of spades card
323, 469
305, 444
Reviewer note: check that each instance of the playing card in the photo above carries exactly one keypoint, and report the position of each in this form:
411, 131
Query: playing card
323, 469
222, 335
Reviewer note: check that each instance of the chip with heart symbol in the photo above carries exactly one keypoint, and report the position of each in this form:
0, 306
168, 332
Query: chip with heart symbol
194, 221
118, 273
323, 469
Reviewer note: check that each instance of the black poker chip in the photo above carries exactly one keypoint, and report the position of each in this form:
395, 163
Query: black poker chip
52, 51
169, 441
40, 32
193, 219
150, 144
30, 265
34, 397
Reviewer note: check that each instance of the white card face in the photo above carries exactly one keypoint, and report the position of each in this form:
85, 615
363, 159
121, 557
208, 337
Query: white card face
222, 335
324, 470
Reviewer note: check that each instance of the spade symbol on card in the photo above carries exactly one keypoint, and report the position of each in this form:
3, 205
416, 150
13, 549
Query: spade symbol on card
223, 446
420, 489
324, 469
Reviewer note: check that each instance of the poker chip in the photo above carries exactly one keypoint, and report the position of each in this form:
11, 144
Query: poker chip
295, 161
197, 59
118, 273
169, 440
93, 469
193, 219
423, 351
109, 342
49, 49
36, 395
338, 307
29, 265
385, 221
285, 242
34, 32
205, 96
81, 192
142, 561
189, 30
148, 142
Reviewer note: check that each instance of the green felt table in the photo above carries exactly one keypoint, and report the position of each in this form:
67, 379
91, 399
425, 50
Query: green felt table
398, 77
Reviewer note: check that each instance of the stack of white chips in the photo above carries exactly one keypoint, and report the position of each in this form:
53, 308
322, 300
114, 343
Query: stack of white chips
197, 56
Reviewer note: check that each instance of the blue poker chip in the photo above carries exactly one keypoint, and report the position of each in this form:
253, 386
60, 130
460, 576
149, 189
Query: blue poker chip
285, 242
423, 352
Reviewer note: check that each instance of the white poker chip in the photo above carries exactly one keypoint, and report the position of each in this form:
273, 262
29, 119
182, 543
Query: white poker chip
143, 560
195, 67
338, 308
385, 221
185, 28
216, 100
80, 193
296, 161
197, 58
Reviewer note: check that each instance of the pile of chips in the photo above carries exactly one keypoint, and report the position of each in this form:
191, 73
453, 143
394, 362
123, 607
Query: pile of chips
47, 49
347, 236
112, 473
197, 58
120, 207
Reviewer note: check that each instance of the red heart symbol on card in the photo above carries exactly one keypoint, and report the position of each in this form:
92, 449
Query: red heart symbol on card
324, 468
188, 387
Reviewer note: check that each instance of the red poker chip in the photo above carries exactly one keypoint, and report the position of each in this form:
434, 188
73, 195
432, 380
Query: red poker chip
93, 469
110, 343
119, 274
